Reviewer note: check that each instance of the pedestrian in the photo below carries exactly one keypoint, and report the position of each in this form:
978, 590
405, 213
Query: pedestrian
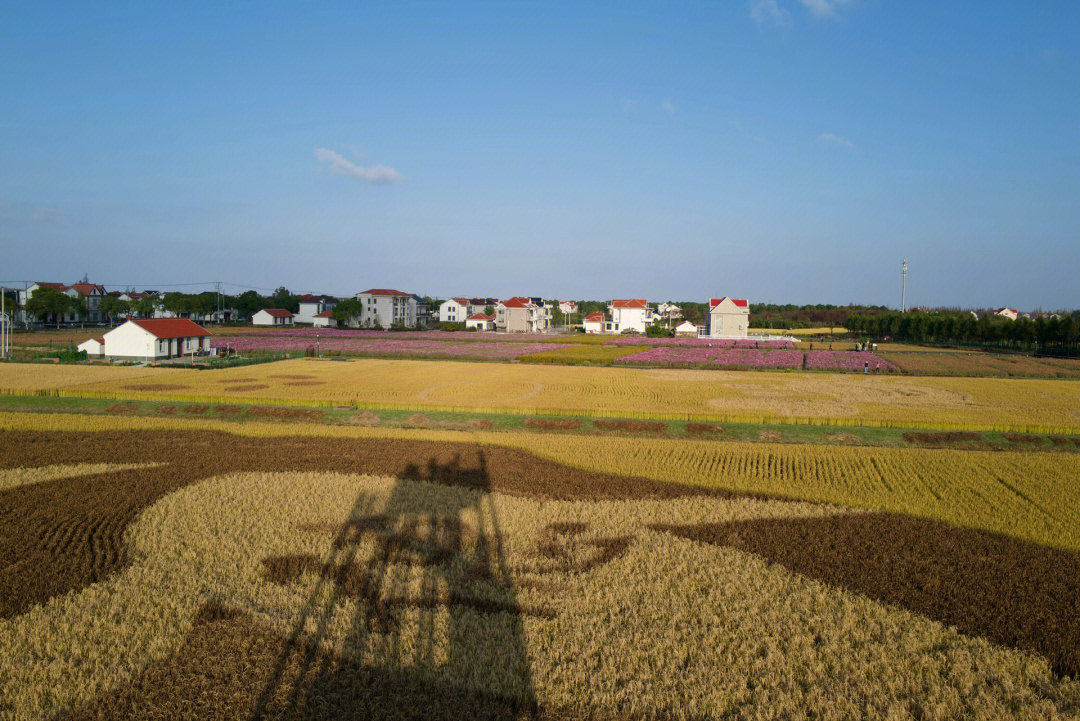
866, 367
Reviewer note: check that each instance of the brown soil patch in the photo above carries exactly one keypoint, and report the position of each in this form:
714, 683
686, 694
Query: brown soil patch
1010, 591
303, 383
227, 410
165, 410
366, 418
154, 387
62, 535
703, 428
420, 420
942, 439
480, 424
844, 439
770, 436
1023, 439
564, 424
196, 410
632, 426
122, 408
1059, 440
282, 412
246, 387
292, 376
232, 667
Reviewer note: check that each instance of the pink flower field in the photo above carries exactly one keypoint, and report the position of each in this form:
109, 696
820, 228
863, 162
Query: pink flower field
381, 347
701, 342
724, 357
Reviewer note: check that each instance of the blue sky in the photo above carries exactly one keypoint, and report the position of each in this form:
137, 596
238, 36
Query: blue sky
783, 150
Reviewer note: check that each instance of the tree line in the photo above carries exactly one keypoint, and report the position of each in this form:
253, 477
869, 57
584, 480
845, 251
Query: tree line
1061, 332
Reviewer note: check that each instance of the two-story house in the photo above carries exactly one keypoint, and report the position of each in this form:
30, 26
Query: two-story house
385, 307
520, 315
628, 315
313, 305
728, 318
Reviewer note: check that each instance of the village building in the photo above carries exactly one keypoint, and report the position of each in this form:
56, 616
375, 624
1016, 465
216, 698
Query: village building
1010, 313
593, 323
567, 307
728, 318
521, 315
385, 307
668, 311
272, 317
311, 305
631, 315
481, 321
688, 329
150, 339
325, 319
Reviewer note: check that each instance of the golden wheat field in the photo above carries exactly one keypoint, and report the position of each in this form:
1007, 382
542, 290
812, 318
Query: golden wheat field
329, 595
931, 402
1029, 496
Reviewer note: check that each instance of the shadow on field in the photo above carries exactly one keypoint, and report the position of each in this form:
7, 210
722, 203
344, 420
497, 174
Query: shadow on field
425, 587
1010, 591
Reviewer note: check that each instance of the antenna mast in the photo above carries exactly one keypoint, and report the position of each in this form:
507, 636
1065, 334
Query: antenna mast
903, 286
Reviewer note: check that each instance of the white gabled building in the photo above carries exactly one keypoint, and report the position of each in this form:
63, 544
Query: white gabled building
668, 311
311, 306
272, 317
521, 315
456, 310
630, 315
686, 328
94, 348
1010, 313
481, 321
728, 318
151, 339
325, 319
593, 323
385, 307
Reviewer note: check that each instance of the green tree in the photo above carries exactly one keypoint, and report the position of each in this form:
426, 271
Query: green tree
112, 307
249, 303
146, 306
347, 309
282, 298
48, 302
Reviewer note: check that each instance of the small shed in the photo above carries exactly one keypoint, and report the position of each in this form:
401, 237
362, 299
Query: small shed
94, 347
481, 321
272, 317
686, 328
325, 319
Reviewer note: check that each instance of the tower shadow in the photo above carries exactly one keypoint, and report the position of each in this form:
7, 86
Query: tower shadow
437, 630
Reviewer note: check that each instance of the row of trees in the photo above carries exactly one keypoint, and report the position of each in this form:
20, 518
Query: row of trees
961, 327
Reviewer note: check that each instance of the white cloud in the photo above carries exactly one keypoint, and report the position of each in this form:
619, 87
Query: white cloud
838, 140
669, 107
769, 12
338, 165
824, 8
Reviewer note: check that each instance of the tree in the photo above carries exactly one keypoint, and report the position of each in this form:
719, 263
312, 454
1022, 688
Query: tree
348, 309
282, 298
111, 307
146, 306
48, 302
557, 316
249, 303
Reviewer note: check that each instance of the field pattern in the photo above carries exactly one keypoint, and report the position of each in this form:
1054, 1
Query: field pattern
946, 403
317, 594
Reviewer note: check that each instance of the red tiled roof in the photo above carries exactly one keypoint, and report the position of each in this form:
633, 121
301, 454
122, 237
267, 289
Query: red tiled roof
87, 288
518, 302
461, 301
278, 312
309, 298
631, 303
595, 317
170, 327
325, 314
384, 291
56, 286
481, 316
740, 302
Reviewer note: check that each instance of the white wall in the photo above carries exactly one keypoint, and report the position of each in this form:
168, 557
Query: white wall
632, 319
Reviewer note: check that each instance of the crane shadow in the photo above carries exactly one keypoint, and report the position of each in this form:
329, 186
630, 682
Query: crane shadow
436, 629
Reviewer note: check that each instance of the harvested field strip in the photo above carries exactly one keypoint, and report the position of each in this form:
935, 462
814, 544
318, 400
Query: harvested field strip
370, 637
1011, 592
64, 534
990, 404
966, 488
12, 477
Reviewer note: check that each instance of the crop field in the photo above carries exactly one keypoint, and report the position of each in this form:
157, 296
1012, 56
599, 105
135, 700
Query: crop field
1019, 405
163, 568
979, 363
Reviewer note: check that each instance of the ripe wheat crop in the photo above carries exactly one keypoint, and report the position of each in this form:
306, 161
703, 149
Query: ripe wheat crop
992, 404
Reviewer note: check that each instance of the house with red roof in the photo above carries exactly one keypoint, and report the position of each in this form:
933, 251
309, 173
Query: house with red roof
386, 307
481, 321
277, 317
311, 306
1010, 313
90, 293
521, 314
150, 339
593, 323
728, 317
325, 319
628, 315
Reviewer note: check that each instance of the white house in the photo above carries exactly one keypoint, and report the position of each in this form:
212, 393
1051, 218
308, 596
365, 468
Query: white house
456, 310
1010, 313
273, 317
686, 328
385, 307
94, 348
593, 323
521, 315
629, 315
728, 317
91, 293
669, 311
481, 321
568, 307
325, 319
311, 306
151, 339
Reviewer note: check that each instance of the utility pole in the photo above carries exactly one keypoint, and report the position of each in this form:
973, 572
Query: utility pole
903, 286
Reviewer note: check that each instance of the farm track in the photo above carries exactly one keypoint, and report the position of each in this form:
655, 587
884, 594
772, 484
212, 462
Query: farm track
64, 534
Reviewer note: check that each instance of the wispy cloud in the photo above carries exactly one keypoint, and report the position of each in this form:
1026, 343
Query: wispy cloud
669, 107
824, 8
338, 165
837, 140
769, 12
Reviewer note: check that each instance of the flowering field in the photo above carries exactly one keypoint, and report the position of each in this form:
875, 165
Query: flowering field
430, 335
846, 361
701, 342
722, 357
290, 341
